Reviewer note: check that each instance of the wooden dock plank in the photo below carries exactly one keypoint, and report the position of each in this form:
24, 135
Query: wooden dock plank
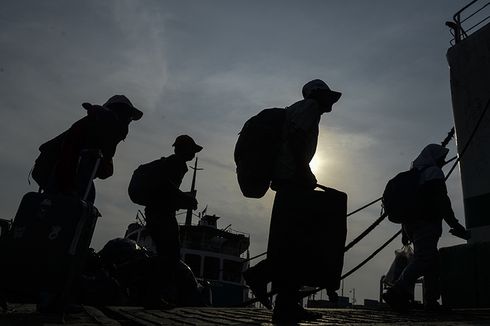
26, 315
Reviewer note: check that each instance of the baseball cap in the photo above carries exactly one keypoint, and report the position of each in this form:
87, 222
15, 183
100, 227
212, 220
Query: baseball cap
318, 84
187, 141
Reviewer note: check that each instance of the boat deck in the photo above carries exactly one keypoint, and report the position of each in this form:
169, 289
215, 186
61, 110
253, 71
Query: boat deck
25, 315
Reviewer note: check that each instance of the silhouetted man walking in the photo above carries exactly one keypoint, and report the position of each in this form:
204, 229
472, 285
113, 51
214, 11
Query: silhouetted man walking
292, 179
167, 173
424, 230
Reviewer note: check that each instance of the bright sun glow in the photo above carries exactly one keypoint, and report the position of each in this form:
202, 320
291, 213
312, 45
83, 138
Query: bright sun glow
316, 164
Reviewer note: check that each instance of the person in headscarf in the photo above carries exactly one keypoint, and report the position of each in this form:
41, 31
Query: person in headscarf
292, 178
425, 230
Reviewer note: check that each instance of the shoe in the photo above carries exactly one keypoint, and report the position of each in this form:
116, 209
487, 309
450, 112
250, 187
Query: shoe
294, 314
258, 288
333, 297
396, 300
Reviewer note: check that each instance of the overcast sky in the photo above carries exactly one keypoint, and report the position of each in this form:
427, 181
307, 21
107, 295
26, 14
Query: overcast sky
203, 67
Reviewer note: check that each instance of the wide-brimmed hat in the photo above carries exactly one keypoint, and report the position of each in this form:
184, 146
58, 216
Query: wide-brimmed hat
124, 102
318, 84
186, 141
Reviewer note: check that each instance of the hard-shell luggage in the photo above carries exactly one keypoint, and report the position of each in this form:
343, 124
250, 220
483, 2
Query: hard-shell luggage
46, 246
307, 237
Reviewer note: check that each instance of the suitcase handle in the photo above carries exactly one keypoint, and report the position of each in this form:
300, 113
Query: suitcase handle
324, 188
98, 157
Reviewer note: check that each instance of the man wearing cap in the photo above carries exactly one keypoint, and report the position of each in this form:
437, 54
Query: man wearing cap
61, 164
160, 215
291, 175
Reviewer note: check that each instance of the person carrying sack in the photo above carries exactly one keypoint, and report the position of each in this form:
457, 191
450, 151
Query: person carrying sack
424, 229
294, 183
155, 185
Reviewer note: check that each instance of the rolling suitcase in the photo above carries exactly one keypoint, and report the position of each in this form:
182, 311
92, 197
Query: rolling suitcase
307, 237
47, 245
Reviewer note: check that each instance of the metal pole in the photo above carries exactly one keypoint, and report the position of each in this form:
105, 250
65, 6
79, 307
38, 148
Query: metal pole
188, 215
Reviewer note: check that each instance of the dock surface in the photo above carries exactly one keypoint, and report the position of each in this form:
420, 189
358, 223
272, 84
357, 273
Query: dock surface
25, 315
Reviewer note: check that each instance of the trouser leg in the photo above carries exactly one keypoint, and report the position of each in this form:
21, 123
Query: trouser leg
425, 261
287, 295
164, 230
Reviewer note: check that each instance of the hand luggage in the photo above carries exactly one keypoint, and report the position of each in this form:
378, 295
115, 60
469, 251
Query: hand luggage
47, 244
307, 237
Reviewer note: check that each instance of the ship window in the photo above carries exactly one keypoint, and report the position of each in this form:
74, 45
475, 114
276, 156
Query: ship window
211, 268
194, 262
232, 271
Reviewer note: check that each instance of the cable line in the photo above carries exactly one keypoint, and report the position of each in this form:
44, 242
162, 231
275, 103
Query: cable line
366, 232
365, 206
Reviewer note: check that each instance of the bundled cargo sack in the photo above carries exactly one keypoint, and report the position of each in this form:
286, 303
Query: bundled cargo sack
256, 150
401, 199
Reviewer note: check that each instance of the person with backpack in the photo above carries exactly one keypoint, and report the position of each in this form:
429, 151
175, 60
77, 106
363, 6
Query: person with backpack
429, 205
293, 180
155, 185
66, 161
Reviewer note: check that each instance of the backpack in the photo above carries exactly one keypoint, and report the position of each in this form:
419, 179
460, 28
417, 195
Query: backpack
256, 150
401, 199
144, 184
45, 164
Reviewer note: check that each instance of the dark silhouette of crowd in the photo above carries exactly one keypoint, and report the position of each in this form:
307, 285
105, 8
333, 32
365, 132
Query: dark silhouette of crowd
307, 229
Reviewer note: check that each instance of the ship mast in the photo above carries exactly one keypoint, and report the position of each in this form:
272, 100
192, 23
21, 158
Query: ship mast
188, 215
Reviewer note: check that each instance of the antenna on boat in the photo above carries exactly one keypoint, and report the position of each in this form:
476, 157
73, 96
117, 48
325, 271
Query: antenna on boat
449, 136
188, 215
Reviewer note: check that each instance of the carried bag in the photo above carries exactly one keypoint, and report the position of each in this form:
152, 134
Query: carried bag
402, 258
401, 199
307, 237
47, 245
256, 150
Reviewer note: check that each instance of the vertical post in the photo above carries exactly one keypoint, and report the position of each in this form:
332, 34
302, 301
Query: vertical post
188, 215
381, 281
457, 30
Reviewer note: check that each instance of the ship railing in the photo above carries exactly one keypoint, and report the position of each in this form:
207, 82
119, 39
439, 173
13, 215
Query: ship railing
467, 19
245, 234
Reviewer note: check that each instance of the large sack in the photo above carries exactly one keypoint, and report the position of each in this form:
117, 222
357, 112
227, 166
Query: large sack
256, 150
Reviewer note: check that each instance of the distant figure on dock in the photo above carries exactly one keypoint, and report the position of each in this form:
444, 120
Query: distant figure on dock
155, 185
294, 182
65, 160
424, 230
